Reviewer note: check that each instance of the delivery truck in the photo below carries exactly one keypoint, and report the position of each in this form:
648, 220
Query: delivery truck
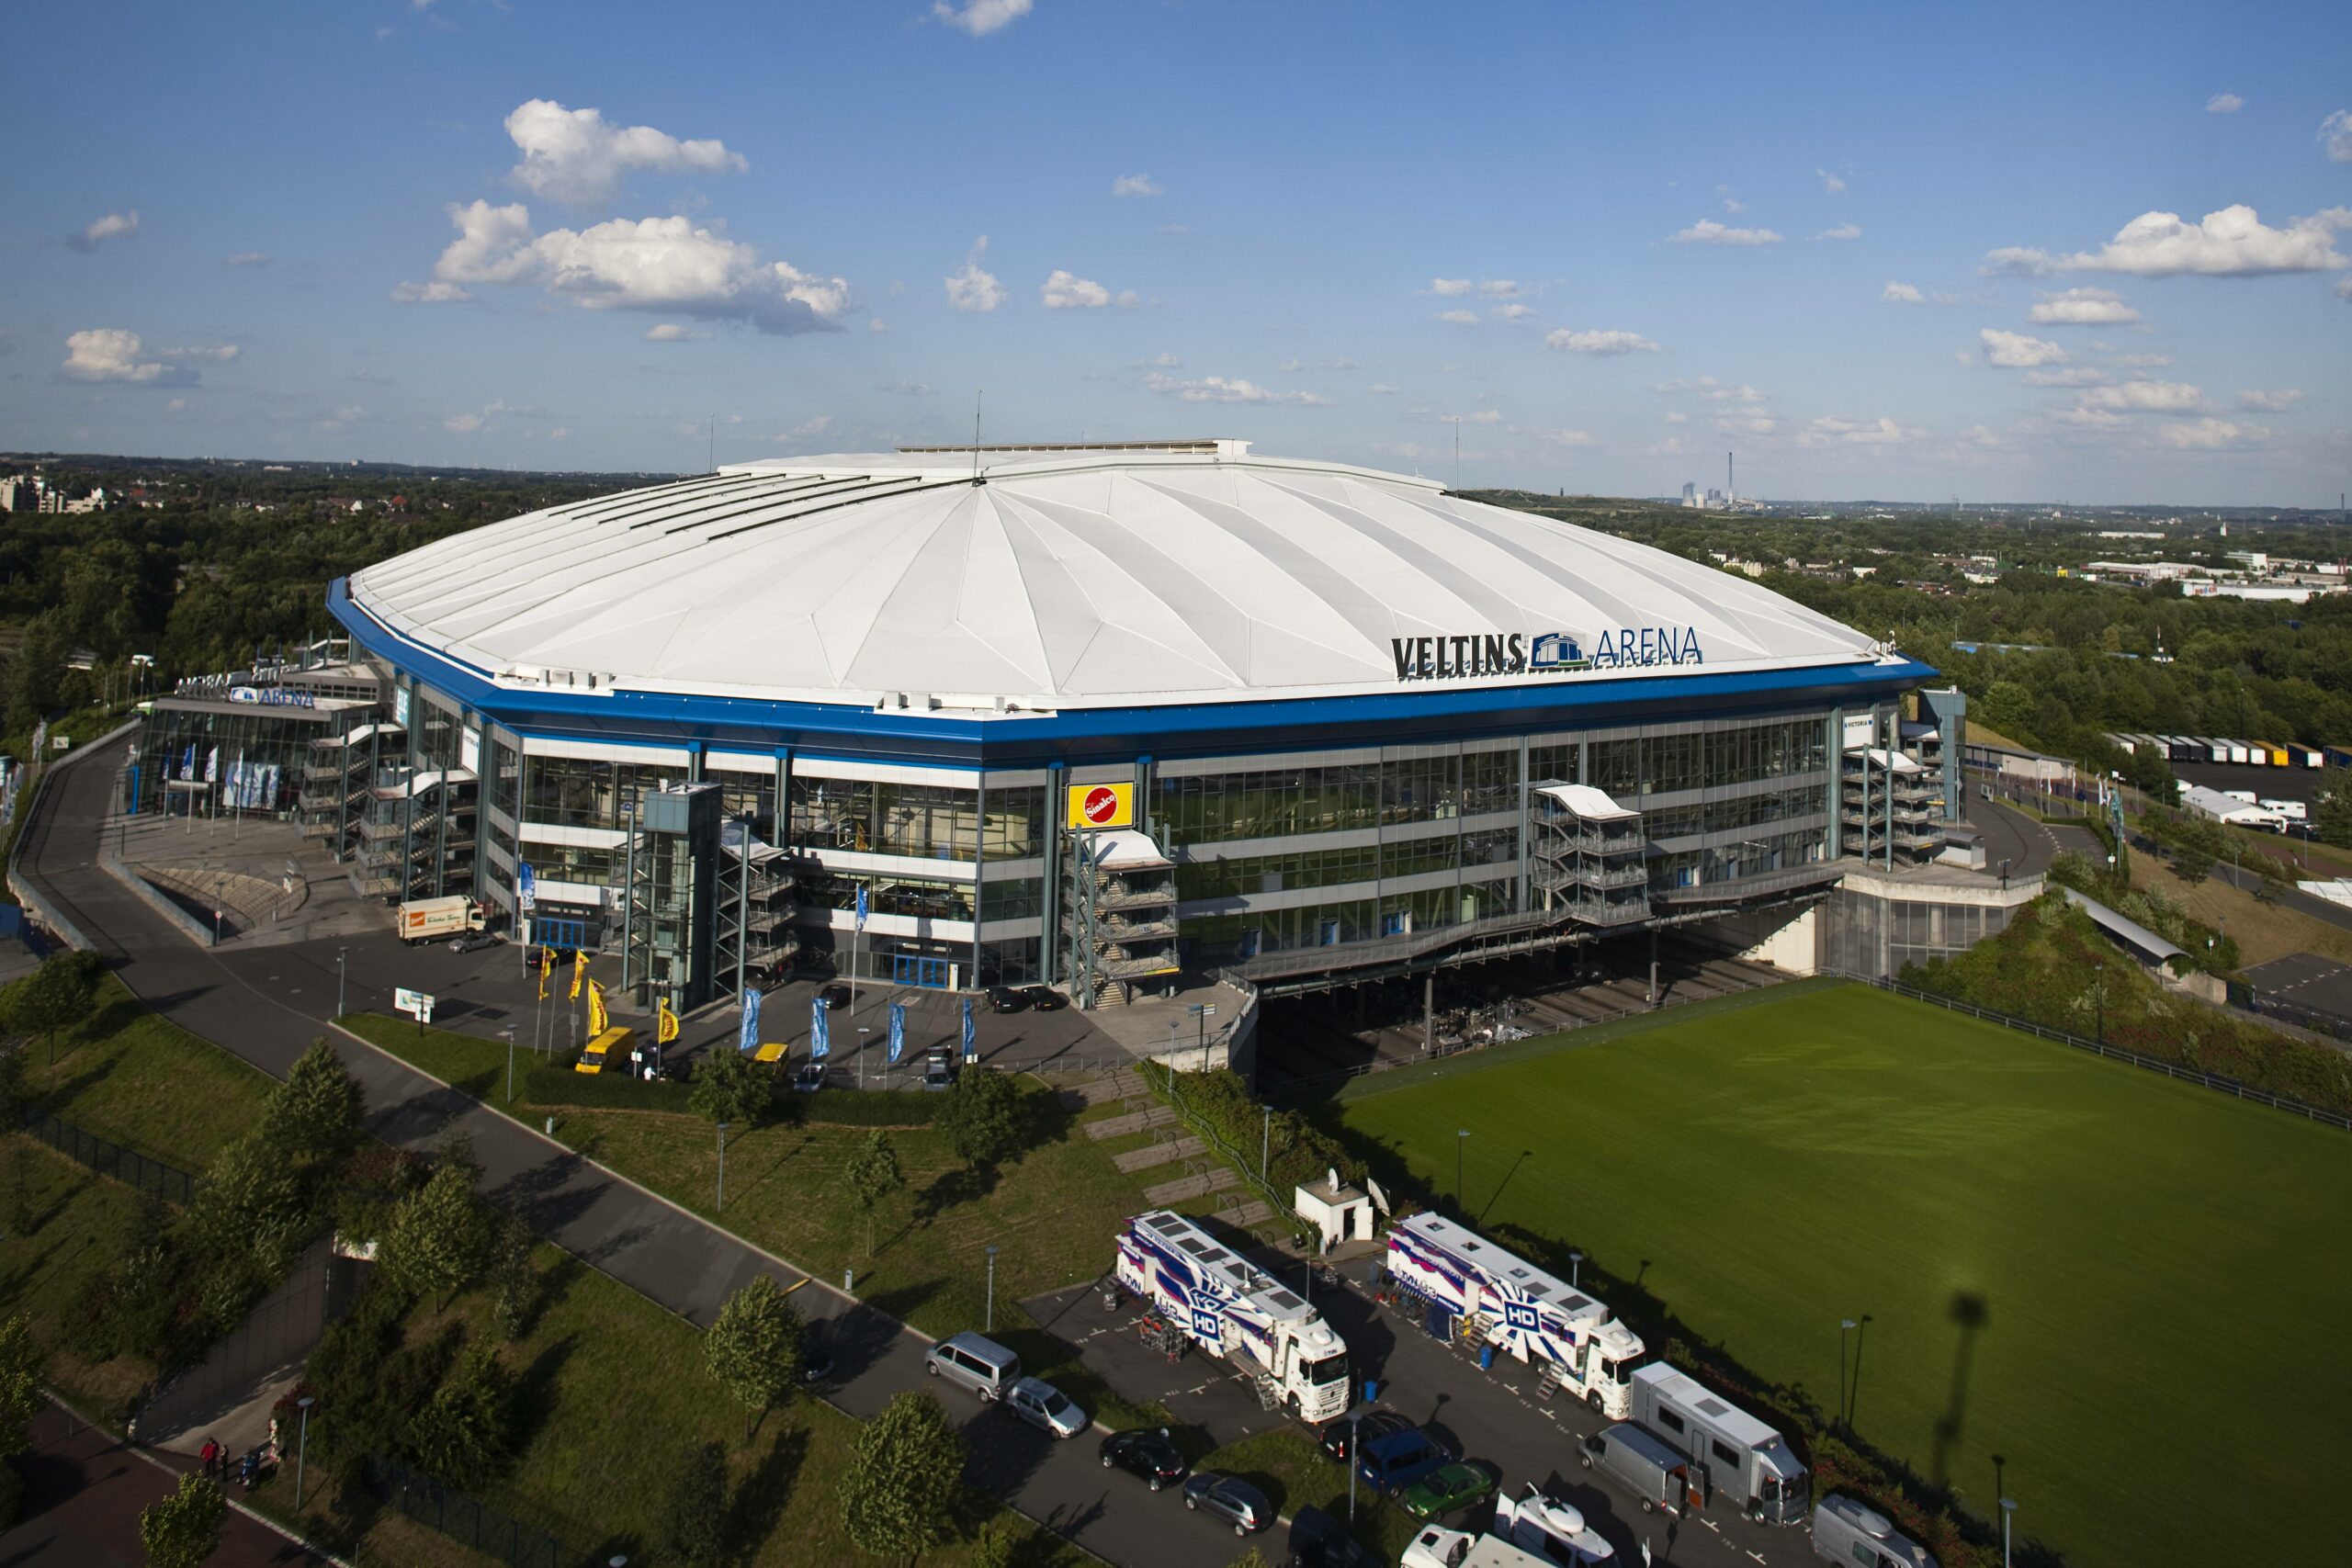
423, 919
1235, 1311
1510, 1304
1731, 1455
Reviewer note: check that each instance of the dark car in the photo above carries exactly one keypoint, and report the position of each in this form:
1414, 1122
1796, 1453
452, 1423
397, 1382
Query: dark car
938, 1071
1338, 1435
836, 994
1319, 1540
1043, 999
474, 942
1230, 1498
1145, 1452
1004, 999
809, 1078
1398, 1459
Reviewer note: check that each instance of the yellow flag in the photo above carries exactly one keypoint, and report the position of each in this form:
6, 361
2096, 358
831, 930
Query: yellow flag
666, 1029
547, 965
597, 1020
579, 971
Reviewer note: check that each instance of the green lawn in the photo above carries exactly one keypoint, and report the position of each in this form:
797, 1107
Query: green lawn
2155, 1272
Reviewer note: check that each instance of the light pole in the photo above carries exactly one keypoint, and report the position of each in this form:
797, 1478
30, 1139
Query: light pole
2099, 980
1460, 1137
722, 1168
303, 1449
1355, 1451
508, 1035
1576, 1266
989, 1323
1845, 1326
2008, 1510
340, 954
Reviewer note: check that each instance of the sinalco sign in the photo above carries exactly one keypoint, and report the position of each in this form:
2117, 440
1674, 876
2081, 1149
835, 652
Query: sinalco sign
1101, 806
1541, 653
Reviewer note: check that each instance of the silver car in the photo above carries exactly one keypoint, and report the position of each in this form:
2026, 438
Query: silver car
1042, 1405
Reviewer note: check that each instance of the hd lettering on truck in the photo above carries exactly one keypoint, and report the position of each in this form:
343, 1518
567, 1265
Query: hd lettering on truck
1476, 654
1235, 1311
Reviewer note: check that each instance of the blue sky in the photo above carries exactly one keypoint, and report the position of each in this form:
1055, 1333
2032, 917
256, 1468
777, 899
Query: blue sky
1879, 250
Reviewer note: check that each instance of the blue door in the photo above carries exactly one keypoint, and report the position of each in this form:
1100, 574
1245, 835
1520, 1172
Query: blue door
908, 970
549, 932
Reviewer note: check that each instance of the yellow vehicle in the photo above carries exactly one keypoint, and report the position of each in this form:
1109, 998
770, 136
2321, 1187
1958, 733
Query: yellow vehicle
610, 1048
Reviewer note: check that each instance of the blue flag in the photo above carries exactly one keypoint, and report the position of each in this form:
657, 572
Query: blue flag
819, 1042
749, 1039
971, 1034
898, 1031
861, 908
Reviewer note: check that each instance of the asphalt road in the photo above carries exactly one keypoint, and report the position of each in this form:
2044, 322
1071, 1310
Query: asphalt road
267, 1003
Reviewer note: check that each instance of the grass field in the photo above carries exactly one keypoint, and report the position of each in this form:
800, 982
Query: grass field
2129, 1288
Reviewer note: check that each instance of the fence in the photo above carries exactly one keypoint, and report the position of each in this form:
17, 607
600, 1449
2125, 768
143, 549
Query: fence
277, 1335
464, 1519
1243, 1165
128, 1167
2231, 1087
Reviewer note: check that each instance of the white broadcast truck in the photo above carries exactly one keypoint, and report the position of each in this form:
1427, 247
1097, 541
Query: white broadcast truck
1518, 1308
1235, 1311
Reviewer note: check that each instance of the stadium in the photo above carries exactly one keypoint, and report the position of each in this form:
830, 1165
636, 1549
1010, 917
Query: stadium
1086, 716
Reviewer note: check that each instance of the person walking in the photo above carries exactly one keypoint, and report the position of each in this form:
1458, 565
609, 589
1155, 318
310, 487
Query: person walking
211, 1455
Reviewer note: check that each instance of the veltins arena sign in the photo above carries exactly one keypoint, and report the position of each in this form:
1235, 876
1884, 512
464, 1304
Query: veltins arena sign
1543, 653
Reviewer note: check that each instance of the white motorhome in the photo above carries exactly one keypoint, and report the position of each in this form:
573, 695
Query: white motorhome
1518, 1308
1237, 1311
1731, 1453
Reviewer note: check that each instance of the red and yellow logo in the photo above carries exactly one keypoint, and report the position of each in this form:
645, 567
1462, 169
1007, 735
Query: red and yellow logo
1101, 806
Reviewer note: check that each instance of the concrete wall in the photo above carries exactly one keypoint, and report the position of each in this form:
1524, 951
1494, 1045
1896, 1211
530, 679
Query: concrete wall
1788, 939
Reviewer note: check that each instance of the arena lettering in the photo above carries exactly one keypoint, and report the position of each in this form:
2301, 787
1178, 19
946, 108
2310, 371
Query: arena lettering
1474, 655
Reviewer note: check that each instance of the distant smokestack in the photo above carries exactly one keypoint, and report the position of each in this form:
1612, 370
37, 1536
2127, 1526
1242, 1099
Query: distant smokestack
1731, 484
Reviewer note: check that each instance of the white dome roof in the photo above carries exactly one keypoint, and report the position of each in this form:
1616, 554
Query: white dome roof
1070, 578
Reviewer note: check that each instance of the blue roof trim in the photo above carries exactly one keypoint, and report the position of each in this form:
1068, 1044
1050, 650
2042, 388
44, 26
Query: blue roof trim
1200, 729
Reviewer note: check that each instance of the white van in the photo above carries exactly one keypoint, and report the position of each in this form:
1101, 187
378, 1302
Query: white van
1848, 1531
984, 1367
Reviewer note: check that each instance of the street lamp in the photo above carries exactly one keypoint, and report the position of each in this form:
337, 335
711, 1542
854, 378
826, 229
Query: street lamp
2008, 1510
303, 1450
340, 954
1845, 1326
1575, 1263
2098, 979
989, 1322
1460, 1136
507, 1034
1355, 1450
722, 1168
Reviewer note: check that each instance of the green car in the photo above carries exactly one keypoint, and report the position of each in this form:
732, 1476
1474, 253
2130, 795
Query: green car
1447, 1488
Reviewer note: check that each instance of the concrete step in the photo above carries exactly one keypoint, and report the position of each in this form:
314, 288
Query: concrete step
1177, 1192
1257, 1211
1122, 1084
1120, 1126
1151, 1155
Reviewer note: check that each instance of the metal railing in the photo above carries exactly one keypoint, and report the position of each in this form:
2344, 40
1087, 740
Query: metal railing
2214, 1081
468, 1521
108, 1158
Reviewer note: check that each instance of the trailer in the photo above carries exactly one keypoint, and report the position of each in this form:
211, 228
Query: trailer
1731, 1453
1235, 1311
422, 919
1510, 1304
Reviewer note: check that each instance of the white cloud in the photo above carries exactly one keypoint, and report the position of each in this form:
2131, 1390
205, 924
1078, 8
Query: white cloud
110, 353
1676, 416
1218, 389
1732, 206
1174, 229
877, 325
1831, 430
462, 423
2142, 397
1598, 342
1829, 182
1843, 232
1901, 294
2225, 103
905, 388
342, 416
662, 265
177, 405
1339, 362
1290, 364
210, 354
2072, 376
430, 294
2015, 351
1707, 232
1670, 448
1565, 437
2232, 243
1459, 318
1745, 425
1381, 390
249, 258
1713, 390
1135, 185
560, 433
2213, 436
1065, 290
2344, 288
1161, 361
1499, 288
2144, 361
1512, 312
1484, 416
2270, 402
1449, 287
113, 226
807, 428
980, 18
975, 288
573, 156
2334, 135
671, 332
2084, 308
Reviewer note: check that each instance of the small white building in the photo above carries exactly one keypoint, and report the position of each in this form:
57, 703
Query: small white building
1337, 1210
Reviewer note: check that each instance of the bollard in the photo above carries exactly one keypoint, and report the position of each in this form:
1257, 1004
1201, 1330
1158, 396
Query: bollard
550, 1126
849, 1279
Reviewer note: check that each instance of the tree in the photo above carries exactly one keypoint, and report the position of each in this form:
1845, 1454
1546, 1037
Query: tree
732, 1087
2332, 820
753, 1348
465, 1433
873, 1174
316, 1112
252, 1204
694, 1526
184, 1528
2274, 882
899, 1488
1252, 1558
983, 1116
511, 1279
438, 1234
14, 1100
993, 1548
56, 996
20, 1398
